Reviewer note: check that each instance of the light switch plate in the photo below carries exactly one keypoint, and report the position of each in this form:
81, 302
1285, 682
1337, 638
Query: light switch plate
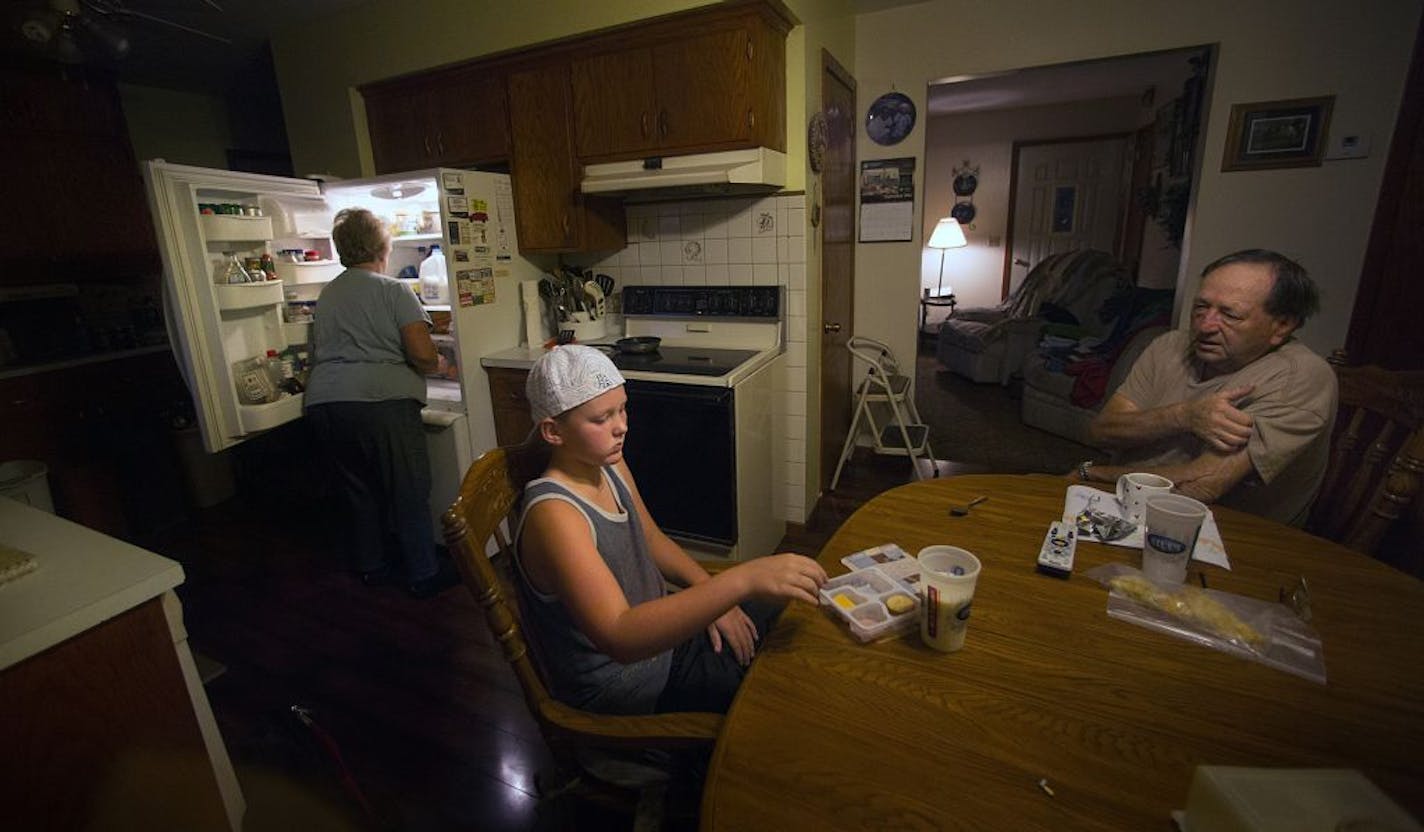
1346, 145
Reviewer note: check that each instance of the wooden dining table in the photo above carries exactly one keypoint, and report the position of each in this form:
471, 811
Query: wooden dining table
1055, 716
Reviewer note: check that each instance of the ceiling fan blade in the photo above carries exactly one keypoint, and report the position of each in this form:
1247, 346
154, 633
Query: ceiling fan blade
118, 8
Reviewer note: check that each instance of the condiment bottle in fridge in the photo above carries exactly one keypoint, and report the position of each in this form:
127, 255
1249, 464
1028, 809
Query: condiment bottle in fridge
233, 272
269, 268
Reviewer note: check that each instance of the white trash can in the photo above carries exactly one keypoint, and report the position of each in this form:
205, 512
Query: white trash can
26, 480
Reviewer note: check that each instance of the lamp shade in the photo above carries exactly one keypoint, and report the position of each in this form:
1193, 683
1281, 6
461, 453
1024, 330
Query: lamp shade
947, 234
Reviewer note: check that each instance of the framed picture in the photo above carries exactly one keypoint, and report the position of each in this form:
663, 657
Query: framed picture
1277, 134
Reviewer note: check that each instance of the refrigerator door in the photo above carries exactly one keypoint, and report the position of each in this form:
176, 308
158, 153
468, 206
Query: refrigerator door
213, 325
485, 272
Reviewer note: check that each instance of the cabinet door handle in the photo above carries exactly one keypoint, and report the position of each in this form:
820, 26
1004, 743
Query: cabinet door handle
568, 227
831, 328
426, 141
751, 49
663, 123
751, 119
440, 143
643, 123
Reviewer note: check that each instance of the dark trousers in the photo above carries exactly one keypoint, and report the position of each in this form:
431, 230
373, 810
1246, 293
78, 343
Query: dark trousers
379, 458
702, 679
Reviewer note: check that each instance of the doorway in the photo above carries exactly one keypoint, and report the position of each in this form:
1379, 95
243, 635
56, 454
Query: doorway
1149, 105
1064, 195
837, 184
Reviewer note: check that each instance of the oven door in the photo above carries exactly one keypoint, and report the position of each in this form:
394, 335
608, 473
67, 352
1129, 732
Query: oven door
682, 449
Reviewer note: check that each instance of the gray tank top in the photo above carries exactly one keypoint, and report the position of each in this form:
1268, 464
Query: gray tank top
580, 674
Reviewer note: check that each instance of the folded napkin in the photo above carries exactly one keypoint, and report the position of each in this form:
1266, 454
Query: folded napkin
1209, 547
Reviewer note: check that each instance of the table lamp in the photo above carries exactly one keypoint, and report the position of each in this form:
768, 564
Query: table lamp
947, 234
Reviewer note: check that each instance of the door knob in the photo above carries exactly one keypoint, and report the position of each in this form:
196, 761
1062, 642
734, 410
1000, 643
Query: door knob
831, 328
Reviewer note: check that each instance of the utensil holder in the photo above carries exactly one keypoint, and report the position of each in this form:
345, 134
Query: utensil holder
585, 331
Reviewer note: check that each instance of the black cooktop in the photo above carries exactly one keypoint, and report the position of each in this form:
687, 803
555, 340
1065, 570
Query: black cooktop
688, 361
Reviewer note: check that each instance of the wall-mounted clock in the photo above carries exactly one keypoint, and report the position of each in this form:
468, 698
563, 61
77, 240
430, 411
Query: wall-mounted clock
890, 118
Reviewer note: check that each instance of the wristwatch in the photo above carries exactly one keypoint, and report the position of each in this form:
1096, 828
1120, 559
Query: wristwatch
1083, 469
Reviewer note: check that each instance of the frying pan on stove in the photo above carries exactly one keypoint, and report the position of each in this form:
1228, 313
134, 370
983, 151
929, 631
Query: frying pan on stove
638, 345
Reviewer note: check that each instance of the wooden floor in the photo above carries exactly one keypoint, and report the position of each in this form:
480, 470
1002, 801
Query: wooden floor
417, 722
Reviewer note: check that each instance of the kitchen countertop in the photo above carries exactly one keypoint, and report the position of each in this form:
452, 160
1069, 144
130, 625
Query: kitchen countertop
83, 578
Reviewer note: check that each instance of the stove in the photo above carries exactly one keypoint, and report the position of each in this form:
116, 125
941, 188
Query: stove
703, 439
711, 335
692, 361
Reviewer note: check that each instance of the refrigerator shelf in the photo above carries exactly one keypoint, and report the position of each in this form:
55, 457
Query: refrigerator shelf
315, 271
248, 295
232, 228
402, 239
257, 417
299, 333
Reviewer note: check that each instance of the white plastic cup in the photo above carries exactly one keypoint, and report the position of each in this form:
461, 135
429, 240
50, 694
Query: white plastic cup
1134, 489
1173, 524
948, 575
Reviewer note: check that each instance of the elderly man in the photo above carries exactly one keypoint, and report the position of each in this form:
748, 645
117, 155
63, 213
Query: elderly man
1233, 410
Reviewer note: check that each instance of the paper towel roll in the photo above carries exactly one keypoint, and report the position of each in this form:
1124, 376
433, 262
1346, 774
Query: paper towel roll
535, 332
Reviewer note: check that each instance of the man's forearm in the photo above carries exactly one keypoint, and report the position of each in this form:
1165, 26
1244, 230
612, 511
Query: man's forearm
1122, 428
1205, 478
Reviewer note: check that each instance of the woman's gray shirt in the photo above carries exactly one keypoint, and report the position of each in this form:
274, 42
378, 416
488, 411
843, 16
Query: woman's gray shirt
356, 345
580, 674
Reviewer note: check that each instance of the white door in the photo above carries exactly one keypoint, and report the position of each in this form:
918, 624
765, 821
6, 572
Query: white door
1069, 195
213, 325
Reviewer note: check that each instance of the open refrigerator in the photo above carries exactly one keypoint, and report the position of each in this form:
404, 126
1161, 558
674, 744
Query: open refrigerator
206, 218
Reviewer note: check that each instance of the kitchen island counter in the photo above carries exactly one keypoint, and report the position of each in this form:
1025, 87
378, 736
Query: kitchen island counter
95, 668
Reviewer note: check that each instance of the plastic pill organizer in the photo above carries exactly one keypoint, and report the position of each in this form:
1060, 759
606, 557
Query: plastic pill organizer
864, 600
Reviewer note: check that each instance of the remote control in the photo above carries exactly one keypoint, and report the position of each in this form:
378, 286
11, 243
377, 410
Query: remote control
1056, 556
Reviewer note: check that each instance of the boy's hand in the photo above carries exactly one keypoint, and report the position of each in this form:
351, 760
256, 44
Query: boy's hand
782, 576
738, 631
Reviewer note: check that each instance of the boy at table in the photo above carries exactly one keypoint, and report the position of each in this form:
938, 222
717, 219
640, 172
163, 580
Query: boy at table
1233, 409
592, 562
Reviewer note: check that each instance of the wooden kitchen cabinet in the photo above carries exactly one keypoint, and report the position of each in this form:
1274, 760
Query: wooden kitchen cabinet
705, 81
454, 118
78, 211
512, 419
550, 213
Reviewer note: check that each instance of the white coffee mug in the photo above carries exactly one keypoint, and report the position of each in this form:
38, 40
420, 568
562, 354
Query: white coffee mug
949, 575
1133, 490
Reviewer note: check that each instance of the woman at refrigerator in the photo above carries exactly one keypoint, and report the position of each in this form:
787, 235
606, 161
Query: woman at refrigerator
372, 349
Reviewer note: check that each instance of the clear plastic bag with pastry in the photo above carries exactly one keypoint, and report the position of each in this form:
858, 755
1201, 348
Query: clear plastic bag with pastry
1265, 631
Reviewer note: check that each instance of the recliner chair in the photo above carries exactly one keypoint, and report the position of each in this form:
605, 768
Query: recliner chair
987, 344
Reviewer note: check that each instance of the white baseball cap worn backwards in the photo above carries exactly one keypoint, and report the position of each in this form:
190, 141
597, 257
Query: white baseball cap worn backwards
566, 377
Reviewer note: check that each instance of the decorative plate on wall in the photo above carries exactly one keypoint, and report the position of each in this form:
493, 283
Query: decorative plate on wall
890, 118
963, 212
965, 183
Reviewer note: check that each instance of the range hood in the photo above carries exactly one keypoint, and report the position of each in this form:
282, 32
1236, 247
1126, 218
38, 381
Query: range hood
758, 170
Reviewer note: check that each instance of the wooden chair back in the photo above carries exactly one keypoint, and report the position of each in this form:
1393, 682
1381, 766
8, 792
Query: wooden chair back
489, 495
1376, 457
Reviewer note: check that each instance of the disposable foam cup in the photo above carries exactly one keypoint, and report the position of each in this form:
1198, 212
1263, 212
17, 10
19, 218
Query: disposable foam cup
948, 575
1173, 524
